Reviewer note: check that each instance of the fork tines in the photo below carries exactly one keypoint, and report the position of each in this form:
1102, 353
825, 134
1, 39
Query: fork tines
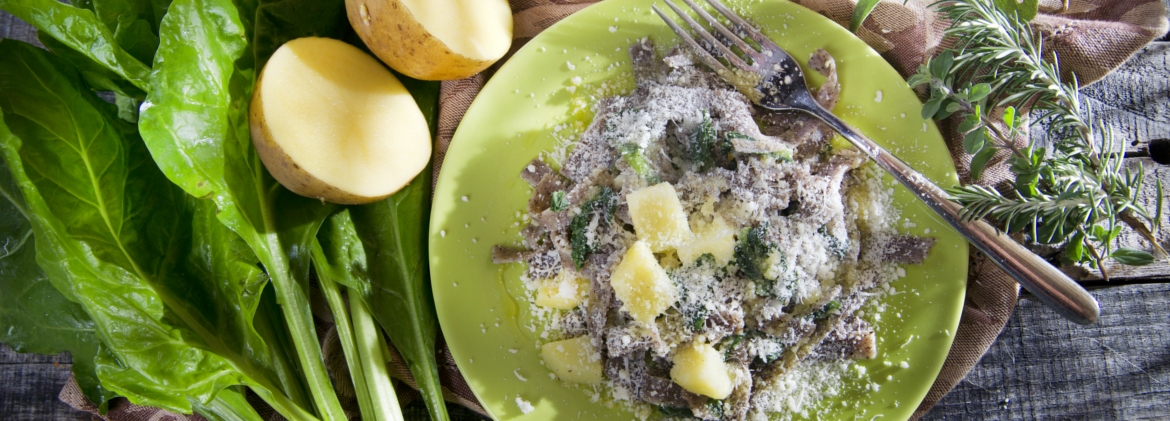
716, 47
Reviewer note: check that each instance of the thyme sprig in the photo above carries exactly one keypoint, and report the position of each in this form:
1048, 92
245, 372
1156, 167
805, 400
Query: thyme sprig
1075, 190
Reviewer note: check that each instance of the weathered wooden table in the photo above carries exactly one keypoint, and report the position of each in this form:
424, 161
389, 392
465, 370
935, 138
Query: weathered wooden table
1041, 367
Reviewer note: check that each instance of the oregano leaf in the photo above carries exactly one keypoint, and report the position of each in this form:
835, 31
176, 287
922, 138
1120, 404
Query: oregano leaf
1076, 248
1009, 116
941, 65
980, 160
918, 79
1132, 257
968, 123
946, 108
979, 91
974, 141
931, 107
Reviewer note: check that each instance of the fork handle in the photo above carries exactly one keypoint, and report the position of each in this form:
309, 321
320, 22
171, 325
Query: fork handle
1047, 283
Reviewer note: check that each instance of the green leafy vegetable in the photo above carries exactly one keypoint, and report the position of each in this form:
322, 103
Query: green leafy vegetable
392, 231
601, 206
633, 156
730, 345
82, 31
701, 144
34, 316
559, 203
751, 252
96, 75
170, 290
169, 275
860, 12
228, 405
115, 13
676, 412
827, 310
195, 123
340, 259
837, 246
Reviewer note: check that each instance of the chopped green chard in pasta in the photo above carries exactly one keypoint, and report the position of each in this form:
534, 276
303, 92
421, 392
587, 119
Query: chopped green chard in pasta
695, 256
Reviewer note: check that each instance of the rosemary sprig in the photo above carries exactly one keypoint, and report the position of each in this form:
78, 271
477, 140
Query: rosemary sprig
1073, 191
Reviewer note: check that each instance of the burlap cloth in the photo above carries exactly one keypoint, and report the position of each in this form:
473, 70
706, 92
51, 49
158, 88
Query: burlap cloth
1091, 37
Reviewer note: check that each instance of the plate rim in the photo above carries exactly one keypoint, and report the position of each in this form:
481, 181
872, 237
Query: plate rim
506, 67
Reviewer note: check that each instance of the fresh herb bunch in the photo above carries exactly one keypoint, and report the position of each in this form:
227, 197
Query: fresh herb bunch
1074, 191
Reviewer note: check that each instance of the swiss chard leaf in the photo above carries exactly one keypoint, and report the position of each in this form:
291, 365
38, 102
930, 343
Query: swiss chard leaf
751, 252
98, 76
113, 12
393, 234
275, 22
195, 122
340, 259
135, 36
186, 120
81, 30
34, 316
170, 291
701, 144
341, 256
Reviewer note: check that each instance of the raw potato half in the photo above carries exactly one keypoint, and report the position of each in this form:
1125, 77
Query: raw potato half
434, 39
332, 123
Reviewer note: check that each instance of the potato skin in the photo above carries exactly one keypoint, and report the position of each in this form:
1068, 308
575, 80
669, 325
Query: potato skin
282, 167
396, 37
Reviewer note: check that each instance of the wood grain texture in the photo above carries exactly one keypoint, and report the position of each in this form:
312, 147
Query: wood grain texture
1132, 100
1040, 368
1160, 269
29, 384
1043, 367
11, 27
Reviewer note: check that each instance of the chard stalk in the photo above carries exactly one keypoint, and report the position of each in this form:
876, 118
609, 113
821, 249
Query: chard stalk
373, 352
228, 405
363, 348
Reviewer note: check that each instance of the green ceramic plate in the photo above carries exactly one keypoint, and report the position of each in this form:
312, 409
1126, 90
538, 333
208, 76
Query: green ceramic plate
529, 103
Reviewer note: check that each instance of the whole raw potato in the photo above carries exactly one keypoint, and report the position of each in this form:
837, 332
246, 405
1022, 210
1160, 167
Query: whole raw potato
434, 39
332, 123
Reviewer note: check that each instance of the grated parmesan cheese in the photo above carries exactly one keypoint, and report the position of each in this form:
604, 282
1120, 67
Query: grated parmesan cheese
823, 219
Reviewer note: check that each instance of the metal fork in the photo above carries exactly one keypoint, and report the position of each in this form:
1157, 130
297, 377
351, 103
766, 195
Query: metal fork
774, 80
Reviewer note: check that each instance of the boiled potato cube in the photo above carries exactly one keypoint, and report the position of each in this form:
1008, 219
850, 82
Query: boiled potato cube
642, 285
573, 360
659, 218
562, 292
699, 368
715, 238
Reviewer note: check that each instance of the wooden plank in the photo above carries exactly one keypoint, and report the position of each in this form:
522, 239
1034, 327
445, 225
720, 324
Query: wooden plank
1132, 100
1044, 367
29, 384
1040, 368
1159, 271
11, 27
